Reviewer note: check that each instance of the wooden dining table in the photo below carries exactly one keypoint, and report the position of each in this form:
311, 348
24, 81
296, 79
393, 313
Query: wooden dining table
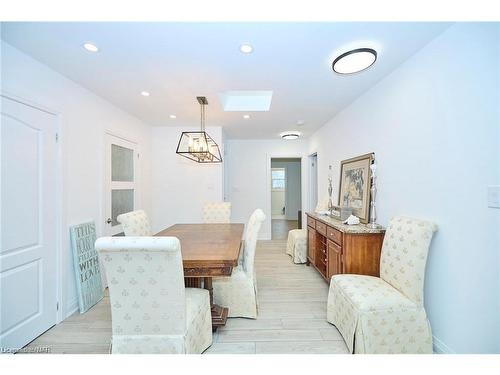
208, 250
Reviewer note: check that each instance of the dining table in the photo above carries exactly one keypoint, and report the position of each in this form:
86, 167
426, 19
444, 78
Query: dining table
208, 250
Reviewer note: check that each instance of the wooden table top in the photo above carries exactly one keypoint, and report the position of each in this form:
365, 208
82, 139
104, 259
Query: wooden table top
207, 246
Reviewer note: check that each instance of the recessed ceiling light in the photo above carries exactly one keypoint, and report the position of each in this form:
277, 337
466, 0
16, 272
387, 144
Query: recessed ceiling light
246, 117
354, 61
246, 48
290, 135
145, 93
172, 116
90, 47
300, 123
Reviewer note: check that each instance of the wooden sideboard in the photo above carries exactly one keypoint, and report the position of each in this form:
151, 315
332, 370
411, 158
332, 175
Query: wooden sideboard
335, 248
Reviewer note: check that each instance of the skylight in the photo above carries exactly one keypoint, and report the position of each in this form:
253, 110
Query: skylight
248, 100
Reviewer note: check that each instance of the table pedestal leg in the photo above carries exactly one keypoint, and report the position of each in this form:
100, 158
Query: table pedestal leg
219, 313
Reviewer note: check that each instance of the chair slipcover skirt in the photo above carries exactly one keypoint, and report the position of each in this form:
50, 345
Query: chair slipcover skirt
297, 245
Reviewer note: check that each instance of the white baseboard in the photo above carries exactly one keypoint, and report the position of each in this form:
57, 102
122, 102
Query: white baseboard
264, 236
440, 347
70, 309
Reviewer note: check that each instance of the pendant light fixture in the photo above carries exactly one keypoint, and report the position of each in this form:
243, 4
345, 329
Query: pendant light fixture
198, 145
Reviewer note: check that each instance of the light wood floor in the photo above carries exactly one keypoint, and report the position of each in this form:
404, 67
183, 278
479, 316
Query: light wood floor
280, 228
292, 316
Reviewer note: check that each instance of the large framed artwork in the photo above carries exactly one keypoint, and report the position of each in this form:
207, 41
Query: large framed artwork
354, 191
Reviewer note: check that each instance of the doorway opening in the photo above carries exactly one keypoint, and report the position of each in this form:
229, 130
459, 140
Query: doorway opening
313, 182
286, 196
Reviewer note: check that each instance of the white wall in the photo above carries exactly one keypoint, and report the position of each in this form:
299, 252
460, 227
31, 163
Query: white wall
277, 203
84, 118
181, 186
248, 168
293, 196
434, 127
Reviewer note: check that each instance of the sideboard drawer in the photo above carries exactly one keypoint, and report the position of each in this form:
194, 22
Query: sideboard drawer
311, 222
321, 228
334, 235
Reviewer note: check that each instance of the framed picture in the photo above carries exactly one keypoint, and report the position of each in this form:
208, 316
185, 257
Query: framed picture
354, 191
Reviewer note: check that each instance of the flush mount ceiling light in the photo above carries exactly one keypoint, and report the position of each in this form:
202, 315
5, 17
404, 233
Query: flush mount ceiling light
290, 135
246, 117
172, 116
198, 145
246, 48
145, 93
90, 47
354, 61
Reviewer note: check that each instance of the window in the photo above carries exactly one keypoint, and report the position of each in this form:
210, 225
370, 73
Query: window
278, 179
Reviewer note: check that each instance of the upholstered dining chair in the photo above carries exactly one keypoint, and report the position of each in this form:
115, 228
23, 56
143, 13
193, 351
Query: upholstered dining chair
296, 245
239, 292
135, 223
217, 212
151, 310
386, 314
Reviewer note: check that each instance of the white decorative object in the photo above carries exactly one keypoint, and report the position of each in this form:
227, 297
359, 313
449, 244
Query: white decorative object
373, 192
239, 291
86, 265
352, 220
217, 212
297, 245
386, 314
135, 223
151, 310
330, 190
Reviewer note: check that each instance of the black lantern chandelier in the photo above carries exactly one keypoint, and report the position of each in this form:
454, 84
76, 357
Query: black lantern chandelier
198, 145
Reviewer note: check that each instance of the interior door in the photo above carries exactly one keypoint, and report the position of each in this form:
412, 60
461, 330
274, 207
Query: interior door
28, 223
121, 188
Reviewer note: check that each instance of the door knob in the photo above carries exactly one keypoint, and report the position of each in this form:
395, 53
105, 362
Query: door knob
109, 221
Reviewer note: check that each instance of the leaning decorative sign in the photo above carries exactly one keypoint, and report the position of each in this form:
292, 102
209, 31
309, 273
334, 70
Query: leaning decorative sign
86, 262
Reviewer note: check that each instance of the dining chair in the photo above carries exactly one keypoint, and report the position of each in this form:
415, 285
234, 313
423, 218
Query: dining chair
217, 212
135, 223
386, 314
239, 291
151, 310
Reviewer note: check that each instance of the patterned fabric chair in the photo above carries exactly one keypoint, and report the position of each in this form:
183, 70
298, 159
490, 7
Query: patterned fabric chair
217, 213
239, 292
152, 311
296, 245
386, 314
135, 223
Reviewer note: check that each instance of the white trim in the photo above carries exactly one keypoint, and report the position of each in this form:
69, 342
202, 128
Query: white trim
309, 181
61, 203
440, 347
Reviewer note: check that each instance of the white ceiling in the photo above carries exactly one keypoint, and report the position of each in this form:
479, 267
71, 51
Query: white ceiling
176, 62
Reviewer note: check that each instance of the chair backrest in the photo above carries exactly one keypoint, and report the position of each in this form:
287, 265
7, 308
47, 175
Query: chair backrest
146, 284
404, 255
217, 212
135, 223
251, 235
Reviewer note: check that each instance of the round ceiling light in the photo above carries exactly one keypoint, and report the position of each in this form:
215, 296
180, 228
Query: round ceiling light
172, 116
90, 47
290, 135
354, 61
246, 48
145, 93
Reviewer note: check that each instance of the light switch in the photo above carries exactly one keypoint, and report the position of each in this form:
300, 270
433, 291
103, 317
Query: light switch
494, 196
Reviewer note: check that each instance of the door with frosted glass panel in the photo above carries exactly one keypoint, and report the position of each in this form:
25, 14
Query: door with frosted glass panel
121, 191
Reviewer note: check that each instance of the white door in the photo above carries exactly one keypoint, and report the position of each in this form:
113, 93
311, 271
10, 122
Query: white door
121, 188
28, 223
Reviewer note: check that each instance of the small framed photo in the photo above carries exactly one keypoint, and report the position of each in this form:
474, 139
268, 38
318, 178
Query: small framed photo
355, 184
